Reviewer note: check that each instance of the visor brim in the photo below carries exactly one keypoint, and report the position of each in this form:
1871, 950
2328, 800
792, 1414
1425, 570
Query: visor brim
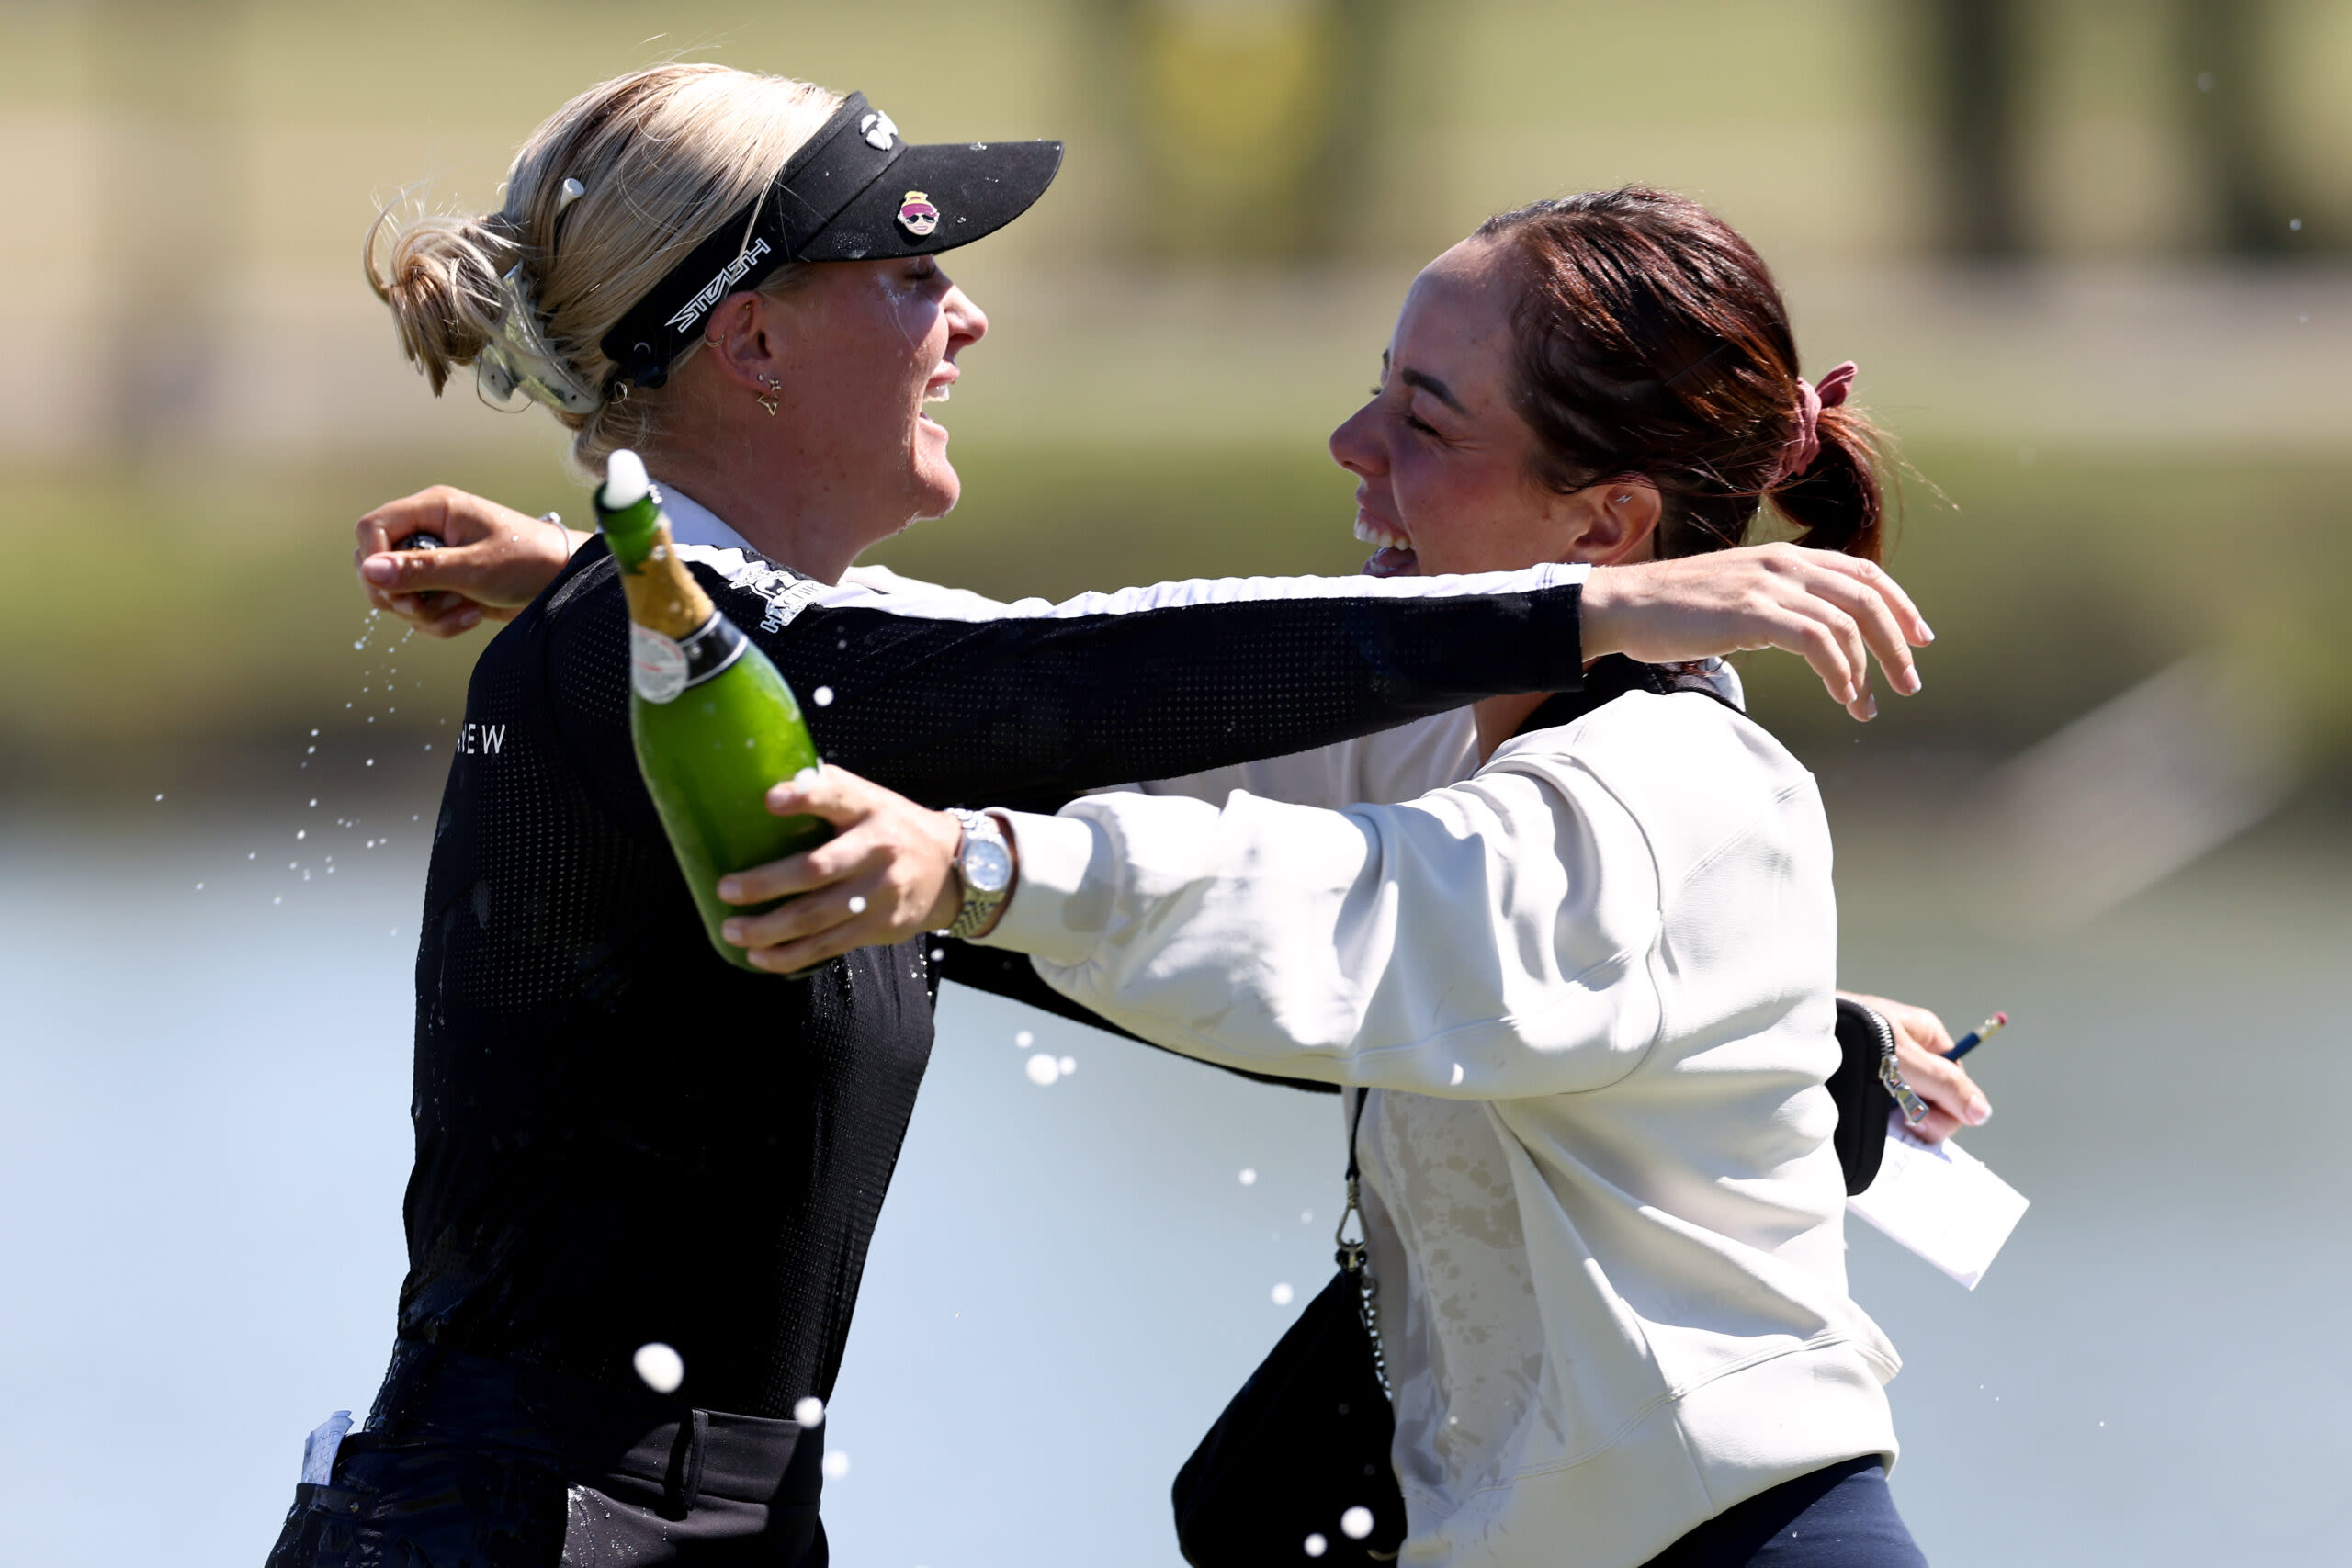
976, 188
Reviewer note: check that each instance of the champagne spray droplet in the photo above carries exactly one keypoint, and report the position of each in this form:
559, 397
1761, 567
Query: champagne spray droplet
661, 1368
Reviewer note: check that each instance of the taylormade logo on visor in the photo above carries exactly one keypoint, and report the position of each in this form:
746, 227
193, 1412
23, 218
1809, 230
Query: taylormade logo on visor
716, 289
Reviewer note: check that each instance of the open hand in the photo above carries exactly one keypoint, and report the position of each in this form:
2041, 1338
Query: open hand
886, 874
492, 561
1832, 610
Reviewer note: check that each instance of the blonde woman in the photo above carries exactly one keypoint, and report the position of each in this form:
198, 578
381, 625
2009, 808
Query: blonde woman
1587, 986
645, 1179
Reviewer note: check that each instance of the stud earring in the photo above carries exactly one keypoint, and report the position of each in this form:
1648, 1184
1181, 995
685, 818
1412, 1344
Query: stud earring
769, 399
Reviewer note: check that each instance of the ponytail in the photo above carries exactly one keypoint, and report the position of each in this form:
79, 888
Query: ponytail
1838, 500
1652, 341
441, 283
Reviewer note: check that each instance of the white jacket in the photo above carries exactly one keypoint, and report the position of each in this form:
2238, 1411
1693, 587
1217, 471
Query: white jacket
1594, 980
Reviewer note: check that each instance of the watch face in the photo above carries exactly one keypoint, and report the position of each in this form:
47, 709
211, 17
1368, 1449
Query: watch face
987, 867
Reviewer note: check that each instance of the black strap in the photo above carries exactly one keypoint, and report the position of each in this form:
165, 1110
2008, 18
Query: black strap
1355, 1126
1012, 975
1354, 1257
1610, 677
682, 1482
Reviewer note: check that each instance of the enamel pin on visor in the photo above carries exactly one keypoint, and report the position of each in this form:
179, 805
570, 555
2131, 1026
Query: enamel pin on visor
917, 216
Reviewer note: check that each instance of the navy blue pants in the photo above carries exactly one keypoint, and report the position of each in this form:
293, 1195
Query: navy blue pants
1841, 1517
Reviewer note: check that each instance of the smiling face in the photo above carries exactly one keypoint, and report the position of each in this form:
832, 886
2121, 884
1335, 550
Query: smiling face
1445, 463
862, 348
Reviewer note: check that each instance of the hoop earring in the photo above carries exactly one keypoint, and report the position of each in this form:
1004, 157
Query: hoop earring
769, 399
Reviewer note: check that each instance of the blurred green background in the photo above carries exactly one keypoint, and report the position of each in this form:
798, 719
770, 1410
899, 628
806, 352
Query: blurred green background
2091, 255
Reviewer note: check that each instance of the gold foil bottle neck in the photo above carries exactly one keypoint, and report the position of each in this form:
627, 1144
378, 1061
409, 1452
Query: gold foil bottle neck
662, 593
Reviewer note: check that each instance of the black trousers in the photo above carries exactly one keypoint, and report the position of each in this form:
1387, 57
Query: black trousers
1841, 1516
467, 1462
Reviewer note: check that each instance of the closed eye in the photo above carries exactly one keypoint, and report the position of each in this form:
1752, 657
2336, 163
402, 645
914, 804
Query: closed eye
1376, 391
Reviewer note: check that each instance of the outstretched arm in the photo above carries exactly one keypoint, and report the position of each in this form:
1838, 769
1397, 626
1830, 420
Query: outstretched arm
1031, 703
1833, 610
1268, 937
890, 873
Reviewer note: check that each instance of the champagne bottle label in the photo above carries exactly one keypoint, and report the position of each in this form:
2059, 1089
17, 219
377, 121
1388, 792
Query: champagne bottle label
661, 668
657, 665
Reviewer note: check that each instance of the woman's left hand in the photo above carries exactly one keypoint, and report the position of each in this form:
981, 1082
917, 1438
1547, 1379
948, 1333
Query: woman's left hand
889, 874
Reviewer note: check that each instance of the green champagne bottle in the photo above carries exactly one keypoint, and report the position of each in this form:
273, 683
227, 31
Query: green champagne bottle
715, 725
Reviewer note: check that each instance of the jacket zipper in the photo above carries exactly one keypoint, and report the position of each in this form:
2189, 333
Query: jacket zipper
1914, 1110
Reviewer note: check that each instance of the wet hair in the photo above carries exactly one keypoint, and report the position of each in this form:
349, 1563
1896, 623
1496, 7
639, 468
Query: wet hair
665, 155
1651, 341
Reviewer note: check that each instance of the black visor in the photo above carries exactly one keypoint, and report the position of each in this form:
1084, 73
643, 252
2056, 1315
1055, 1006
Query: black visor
856, 191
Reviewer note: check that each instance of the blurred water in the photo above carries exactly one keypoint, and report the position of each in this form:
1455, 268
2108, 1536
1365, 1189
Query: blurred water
203, 1136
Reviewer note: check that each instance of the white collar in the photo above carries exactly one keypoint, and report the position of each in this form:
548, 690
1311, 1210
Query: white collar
691, 523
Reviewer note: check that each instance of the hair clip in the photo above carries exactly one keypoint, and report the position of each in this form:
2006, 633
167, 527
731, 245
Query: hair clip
518, 356
572, 191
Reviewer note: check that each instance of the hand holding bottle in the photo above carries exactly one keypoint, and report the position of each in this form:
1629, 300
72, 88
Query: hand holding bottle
493, 560
712, 720
889, 874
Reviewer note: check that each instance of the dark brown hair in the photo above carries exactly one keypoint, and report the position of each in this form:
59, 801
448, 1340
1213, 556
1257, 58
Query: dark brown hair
1652, 341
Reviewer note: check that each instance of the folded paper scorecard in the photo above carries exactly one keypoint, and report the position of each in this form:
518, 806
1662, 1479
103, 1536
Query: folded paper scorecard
1942, 1202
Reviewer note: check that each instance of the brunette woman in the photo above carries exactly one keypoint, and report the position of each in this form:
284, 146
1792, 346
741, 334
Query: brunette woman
1589, 987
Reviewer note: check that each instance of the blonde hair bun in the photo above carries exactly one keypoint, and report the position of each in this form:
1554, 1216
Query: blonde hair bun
441, 283
602, 201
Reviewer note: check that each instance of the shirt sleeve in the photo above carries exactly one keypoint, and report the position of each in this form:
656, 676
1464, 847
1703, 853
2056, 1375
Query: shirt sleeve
1489, 940
950, 698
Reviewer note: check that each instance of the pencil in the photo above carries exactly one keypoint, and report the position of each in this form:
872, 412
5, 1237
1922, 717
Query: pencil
1977, 1036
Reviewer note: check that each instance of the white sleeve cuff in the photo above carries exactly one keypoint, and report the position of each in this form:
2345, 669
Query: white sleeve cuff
1049, 914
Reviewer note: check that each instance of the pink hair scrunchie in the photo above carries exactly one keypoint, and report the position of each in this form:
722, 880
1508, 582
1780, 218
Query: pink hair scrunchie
1806, 445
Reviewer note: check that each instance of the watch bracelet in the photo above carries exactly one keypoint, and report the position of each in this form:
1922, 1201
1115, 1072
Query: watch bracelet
977, 907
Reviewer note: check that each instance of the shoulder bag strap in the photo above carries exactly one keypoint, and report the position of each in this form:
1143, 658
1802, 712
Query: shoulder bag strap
1353, 1255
